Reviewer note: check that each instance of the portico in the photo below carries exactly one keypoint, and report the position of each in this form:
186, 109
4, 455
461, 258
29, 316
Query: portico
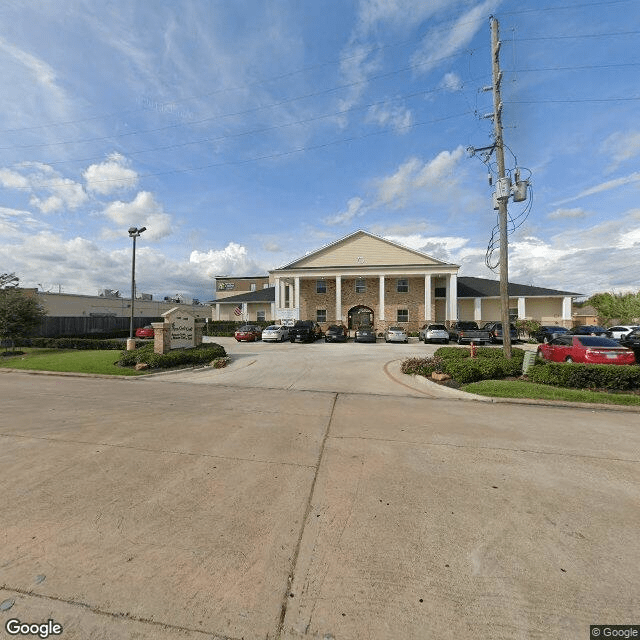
397, 284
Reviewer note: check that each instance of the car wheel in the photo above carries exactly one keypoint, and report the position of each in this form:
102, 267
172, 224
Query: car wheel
568, 359
425, 340
459, 340
545, 339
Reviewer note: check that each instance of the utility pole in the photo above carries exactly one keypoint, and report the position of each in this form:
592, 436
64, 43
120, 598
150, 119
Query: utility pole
503, 188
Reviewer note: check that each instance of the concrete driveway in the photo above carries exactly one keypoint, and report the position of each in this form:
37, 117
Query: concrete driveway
160, 508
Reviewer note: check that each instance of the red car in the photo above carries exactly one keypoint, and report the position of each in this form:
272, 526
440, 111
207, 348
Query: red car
145, 332
248, 333
587, 349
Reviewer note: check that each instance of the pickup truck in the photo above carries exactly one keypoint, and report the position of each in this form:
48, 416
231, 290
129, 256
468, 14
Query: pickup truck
466, 331
305, 331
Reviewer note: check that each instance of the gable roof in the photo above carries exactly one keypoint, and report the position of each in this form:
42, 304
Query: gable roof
362, 248
484, 288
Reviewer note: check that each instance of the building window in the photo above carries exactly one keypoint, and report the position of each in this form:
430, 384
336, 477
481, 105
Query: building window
440, 292
361, 286
403, 285
513, 314
253, 286
321, 286
266, 286
403, 315
261, 316
321, 315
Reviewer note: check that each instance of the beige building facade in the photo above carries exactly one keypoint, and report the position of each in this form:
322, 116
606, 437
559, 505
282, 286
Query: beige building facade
363, 278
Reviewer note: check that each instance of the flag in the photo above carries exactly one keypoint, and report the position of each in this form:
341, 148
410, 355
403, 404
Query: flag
238, 311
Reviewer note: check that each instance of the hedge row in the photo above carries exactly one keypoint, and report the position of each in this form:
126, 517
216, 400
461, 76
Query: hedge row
489, 364
586, 376
178, 357
70, 343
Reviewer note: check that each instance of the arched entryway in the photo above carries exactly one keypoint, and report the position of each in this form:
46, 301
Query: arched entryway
360, 316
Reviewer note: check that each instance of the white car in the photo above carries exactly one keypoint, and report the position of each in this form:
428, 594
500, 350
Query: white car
275, 333
396, 334
434, 333
620, 331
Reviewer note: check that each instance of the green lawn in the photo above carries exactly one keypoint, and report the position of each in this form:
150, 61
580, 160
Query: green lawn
68, 360
522, 389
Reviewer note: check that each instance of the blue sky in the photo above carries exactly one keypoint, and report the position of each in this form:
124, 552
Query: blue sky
244, 134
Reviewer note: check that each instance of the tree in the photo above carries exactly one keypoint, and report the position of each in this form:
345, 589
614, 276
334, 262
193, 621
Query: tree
624, 307
20, 314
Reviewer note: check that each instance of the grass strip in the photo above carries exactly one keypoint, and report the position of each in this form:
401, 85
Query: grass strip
70, 361
530, 390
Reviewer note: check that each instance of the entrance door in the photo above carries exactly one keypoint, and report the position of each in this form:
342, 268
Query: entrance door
360, 316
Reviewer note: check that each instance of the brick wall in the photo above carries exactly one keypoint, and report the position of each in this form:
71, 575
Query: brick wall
413, 301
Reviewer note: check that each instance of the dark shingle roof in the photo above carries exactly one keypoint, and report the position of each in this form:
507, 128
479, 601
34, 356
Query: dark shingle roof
260, 295
484, 288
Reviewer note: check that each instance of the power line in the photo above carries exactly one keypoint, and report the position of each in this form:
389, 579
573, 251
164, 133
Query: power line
271, 156
238, 113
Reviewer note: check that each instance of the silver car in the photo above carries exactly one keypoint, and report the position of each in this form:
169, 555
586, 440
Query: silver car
396, 334
275, 333
434, 333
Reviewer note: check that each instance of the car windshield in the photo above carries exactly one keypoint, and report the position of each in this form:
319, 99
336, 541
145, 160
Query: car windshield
436, 327
554, 329
594, 341
272, 328
396, 329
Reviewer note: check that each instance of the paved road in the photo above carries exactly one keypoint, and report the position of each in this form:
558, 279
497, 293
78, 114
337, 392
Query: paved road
160, 508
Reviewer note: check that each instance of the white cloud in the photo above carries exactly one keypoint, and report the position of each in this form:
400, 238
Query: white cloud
400, 118
440, 43
143, 211
451, 82
622, 146
435, 179
13, 180
604, 186
233, 259
354, 208
440, 247
111, 175
65, 194
563, 214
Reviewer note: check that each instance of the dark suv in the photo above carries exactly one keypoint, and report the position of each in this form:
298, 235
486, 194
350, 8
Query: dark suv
495, 331
305, 331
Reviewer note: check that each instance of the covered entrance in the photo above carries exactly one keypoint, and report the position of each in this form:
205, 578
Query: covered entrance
360, 316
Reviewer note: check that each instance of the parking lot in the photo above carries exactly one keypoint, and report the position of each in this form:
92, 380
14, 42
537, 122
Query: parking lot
241, 504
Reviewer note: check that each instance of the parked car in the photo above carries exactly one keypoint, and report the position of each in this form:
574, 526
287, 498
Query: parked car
248, 333
275, 333
548, 332
305, 331
588, 330
365, 334
618, 332
632, 341
434, 333
587, 349
395, 334
145, 332
495, 331
336, 333
468, 331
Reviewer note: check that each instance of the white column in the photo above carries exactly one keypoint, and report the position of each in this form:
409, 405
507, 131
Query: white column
477, 309
427, 298
522, 311
567, 308
218, 311
290, 295
338, 298
381, 314
273, 311
296, 292
452, 297
277, 292
245, 311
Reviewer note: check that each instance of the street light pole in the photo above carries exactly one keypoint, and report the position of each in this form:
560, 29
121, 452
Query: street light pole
134, 233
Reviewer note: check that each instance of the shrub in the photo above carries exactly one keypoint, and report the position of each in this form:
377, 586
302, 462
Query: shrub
71, 343
489, 364
586, 376
175, 358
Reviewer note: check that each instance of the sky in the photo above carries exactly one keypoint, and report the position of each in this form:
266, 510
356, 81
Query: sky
246, 134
